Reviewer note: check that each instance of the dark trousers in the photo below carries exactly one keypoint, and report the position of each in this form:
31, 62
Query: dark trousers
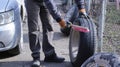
36, 10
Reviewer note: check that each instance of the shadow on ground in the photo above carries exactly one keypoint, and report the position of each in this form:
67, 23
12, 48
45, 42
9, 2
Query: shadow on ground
28, 64
5, 54
59, 35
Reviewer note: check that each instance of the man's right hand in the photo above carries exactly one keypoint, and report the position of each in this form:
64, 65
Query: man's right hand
65, 27
62, 23
83, 11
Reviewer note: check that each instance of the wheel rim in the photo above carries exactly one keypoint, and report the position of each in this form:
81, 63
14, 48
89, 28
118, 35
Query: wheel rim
74, 44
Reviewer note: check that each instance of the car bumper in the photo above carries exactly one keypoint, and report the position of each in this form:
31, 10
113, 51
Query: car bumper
7, 36
10, 34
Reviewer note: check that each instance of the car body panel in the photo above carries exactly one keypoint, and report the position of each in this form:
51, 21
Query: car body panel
10, 34
6, 5
3, 4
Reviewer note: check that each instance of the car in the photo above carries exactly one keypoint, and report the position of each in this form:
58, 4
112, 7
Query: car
12, 14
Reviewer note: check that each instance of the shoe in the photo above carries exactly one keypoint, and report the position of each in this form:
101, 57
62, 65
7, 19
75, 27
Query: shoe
54, 59
36, 63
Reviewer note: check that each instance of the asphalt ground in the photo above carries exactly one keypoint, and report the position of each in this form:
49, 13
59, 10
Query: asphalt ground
60, 42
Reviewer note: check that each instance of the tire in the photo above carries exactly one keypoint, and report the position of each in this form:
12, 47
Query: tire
82, 45
103, 60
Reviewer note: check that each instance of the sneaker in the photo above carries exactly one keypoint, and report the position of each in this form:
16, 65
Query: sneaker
36, 63
54, 59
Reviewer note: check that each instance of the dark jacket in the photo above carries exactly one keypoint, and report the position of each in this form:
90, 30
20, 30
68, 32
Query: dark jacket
53, 9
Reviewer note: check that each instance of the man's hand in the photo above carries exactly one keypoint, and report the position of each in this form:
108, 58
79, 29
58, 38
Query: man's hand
65, 27
83, 11
62, 23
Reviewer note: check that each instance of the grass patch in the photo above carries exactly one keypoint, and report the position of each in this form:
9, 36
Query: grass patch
112, 15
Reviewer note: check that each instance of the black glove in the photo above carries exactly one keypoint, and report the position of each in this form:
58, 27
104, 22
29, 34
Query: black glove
66, 29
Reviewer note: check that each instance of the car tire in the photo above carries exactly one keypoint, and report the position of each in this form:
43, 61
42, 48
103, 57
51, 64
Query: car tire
82, 45
103, 60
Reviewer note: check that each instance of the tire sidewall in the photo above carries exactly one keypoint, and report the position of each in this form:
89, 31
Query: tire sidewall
101, 59
87, 42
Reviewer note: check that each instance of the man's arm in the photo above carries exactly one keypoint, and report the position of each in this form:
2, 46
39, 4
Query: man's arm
53, 10
80, 4
56, 15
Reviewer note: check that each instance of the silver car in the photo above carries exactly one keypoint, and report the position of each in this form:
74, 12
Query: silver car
11, 18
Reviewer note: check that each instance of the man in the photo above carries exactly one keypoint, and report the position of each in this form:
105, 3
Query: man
39, 9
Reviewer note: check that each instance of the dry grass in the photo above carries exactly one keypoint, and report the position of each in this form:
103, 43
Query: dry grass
112, 15
112, 31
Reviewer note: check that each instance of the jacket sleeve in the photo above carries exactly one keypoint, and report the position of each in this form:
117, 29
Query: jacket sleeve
53, 10
80, 4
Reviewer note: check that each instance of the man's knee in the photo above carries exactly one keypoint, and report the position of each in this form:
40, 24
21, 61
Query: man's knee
34, 32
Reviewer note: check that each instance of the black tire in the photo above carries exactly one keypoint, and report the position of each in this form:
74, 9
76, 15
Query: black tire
71, 15
103, 60
84, 42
